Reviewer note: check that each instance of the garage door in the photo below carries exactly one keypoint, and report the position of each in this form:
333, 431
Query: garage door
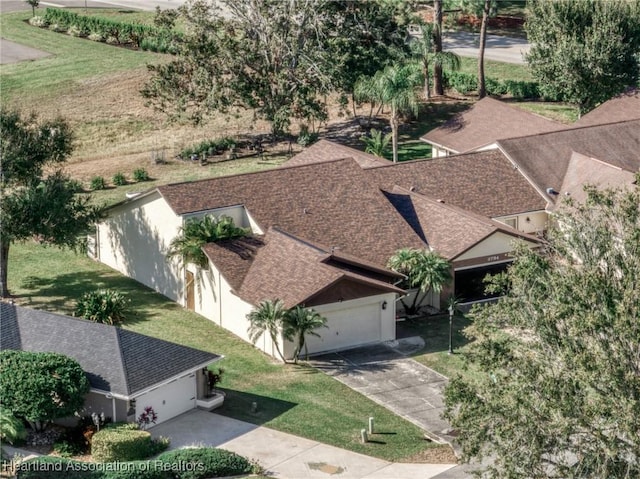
171, 399
347, 328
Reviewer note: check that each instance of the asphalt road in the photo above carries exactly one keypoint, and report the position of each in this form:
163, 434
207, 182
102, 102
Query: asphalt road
498, 48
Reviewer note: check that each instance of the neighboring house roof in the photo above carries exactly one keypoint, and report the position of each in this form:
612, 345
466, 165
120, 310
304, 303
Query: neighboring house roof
289, 268
483, 182
324, 150
583, 170
485, 122
544, 158
449, 230
333, 203
625, 106
115, 360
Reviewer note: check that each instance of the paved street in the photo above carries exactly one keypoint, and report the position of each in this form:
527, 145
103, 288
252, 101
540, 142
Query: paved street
498, 48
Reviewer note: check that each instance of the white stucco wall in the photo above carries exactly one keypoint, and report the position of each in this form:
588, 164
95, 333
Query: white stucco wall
430, 299
537, 221
495, 244
134, 240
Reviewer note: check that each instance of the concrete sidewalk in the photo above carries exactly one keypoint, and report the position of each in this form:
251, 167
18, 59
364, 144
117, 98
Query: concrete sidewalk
284, 455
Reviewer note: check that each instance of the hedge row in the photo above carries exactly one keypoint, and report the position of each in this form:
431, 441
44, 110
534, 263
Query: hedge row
196, 463
465, 83
208, 147
124, 442
145, 37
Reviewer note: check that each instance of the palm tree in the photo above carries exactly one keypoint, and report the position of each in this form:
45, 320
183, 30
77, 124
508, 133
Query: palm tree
423, 48
11, 428
300, 322
395, 86
376, 143
268, 317
423, 269
195, 233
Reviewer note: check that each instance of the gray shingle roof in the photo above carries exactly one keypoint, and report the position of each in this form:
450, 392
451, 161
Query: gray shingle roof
115, 360
625, 106
324, 150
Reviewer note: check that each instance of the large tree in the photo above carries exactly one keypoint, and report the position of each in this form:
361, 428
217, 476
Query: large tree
425, 270
584, 51
41, 387
396, 87
35, 205
560, 392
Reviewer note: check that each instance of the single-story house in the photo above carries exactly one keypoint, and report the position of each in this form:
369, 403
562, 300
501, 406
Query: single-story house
322, 232
480, 126
623, 107
127, 371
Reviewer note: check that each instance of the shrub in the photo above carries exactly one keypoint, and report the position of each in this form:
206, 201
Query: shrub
104, 306
38, 21
208, 147
96, 37
461, 82
522, 89
122, 442
66, 448
76, 31
119, 179
137, 470
47, 467
54, 27
98, 183
208, 462
140, 174
306, 137
41, 387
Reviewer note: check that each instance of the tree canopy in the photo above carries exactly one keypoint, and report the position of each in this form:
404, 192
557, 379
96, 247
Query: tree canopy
40, 387
560, 393
279, 59
584, 51
35, 205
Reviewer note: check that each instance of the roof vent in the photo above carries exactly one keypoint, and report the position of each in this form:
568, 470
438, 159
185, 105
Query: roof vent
440, 200
551, 191
132, 195
413, 188
304, 211
567, 193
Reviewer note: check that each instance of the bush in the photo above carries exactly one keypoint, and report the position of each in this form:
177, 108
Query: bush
47, 467
102, 306
522, 89
98, 183
38, 21
66, 448
96, 37
119, 179
463, 83
140, 175
41, 387
306, 137
122, 442
76, 31
209, 147
208, 462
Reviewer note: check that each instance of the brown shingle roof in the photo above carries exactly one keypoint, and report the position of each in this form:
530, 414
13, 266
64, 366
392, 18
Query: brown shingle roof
484, 182
625, 106
324, 150
583, 170
544, 158
293, 270
332, 203
485, 122
450, 230
234, 257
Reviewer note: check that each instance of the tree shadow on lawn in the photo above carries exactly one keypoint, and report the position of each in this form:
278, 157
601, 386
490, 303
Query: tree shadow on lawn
240, 405
434, 330
60, 293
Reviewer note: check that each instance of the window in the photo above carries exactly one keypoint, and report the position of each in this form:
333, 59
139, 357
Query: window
513, 222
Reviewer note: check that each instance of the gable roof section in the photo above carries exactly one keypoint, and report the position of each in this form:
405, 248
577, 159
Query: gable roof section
295, 270
234, 257
449, 230
115, 360
625, 106
583, 170
485, 122
333, 203
544, 158
483, 182
324, 150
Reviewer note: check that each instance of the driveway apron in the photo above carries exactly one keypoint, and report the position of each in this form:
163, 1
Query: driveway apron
385, 374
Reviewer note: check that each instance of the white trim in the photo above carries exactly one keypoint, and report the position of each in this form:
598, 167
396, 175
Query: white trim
483, 265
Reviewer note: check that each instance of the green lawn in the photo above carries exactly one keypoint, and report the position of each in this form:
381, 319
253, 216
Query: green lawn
73, 61
497, 70
294, 399
435, 332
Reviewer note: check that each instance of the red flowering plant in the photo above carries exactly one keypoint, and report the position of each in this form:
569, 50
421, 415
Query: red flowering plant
147, 417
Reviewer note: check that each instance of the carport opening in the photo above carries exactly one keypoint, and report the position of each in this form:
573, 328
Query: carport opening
469, 285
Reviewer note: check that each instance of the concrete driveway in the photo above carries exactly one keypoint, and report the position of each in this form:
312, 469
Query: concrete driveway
285, 455
12, 52
385, 374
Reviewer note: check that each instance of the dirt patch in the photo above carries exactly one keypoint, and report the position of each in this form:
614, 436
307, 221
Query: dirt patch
433, 455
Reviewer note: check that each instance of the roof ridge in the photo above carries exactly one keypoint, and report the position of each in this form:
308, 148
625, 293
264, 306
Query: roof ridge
123, 361
283, 167
591, 158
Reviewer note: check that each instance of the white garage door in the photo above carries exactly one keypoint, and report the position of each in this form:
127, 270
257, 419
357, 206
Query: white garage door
171, 399
347, 328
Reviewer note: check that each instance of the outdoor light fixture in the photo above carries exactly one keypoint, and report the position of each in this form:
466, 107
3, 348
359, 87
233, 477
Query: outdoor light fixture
384, 305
